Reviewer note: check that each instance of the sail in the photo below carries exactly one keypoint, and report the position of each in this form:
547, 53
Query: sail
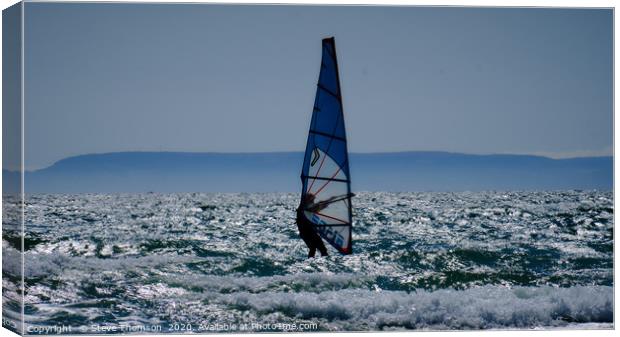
325, 171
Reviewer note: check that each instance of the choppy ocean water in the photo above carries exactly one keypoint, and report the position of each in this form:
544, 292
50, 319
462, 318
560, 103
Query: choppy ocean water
209, 262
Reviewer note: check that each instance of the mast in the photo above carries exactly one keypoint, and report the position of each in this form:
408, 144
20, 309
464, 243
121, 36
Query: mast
333, 41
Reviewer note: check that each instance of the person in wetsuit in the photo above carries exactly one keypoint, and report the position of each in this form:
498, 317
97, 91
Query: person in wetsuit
306, 228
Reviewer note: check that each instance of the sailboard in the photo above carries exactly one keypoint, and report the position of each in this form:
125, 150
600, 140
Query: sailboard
325, 171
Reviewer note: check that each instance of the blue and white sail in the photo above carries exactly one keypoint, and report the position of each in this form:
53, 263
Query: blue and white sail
325, 172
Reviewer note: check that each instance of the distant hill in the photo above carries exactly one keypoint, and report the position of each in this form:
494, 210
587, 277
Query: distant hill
279, 171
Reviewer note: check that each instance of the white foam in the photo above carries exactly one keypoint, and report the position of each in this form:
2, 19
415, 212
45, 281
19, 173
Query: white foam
477, 308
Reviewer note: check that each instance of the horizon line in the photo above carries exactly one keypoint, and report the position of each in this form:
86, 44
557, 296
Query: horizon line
537, 155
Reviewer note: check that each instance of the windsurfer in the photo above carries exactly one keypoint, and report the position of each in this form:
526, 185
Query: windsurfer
306, 229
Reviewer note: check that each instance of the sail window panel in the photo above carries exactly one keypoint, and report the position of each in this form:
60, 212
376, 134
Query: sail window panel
334, 196
323, 166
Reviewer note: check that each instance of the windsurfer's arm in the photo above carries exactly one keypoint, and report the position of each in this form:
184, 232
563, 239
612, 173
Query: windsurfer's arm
314, 207
323, 204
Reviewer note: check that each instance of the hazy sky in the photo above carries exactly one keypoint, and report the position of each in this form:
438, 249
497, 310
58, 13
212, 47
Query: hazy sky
123, 77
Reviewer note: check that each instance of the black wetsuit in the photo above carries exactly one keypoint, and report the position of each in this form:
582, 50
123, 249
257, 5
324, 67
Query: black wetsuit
309, 235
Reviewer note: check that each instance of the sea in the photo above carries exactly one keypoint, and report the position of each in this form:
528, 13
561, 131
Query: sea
206, 263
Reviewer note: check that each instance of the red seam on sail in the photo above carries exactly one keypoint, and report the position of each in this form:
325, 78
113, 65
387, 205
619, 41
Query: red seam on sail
327, 182
317, 172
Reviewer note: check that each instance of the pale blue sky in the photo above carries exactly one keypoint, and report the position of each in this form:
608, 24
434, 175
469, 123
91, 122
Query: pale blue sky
177, 77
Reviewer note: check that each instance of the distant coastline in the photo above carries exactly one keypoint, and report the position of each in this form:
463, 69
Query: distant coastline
127, 172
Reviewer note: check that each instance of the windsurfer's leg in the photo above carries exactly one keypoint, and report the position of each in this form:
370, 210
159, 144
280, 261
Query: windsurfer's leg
317, 243
321, 247
312, 251
308, 240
